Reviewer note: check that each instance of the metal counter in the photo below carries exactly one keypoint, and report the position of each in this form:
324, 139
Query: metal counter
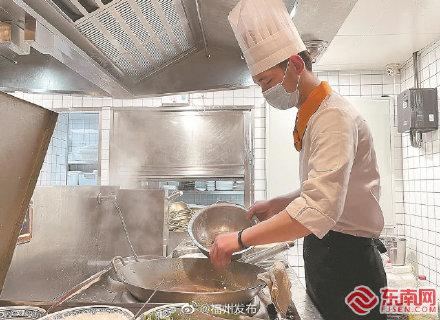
109, 291
74, 237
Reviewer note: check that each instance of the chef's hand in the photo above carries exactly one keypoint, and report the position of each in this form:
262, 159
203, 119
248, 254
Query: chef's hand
264, 210
224, 246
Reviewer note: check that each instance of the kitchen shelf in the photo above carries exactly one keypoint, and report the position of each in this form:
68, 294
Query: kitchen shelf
191, 192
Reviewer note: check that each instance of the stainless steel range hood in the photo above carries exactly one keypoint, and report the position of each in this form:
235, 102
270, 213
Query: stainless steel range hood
129, 48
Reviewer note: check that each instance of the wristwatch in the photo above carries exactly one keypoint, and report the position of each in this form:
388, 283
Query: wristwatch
240, 241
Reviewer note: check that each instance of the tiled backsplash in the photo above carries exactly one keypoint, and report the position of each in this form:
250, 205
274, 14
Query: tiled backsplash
83, 137
54, 169
421, 178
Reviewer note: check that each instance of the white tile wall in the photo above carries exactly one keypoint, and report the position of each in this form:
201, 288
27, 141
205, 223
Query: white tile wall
105, 145
421, 178
54, 169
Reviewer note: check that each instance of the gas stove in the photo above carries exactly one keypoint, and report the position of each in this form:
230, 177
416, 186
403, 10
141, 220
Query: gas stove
108, 290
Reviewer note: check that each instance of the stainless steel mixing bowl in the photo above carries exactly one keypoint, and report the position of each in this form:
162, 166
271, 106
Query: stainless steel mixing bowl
218, 218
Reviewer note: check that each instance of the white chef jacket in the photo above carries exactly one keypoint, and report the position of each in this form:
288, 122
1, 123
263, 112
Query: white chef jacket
340, 183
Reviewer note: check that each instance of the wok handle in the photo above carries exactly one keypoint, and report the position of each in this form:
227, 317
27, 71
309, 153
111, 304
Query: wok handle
268, 253
116, 264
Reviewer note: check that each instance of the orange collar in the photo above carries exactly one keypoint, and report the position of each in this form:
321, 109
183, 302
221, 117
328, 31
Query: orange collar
307, 109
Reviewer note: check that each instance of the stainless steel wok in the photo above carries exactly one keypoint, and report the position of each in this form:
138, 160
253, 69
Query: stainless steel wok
189, 280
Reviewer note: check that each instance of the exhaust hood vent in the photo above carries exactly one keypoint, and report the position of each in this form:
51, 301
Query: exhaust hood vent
77, 9
138, 36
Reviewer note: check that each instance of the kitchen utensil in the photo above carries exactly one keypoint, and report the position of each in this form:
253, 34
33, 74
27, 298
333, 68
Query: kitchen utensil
88, 311
213, 220
84, 285
239, 279
267, 253
21, 313
189, 280
401, 252
114, 199
396, 248
270, 307
148, 300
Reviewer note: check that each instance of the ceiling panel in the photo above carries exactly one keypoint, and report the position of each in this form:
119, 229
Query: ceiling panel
379, 32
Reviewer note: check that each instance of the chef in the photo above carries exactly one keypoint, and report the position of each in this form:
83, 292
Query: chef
336, 210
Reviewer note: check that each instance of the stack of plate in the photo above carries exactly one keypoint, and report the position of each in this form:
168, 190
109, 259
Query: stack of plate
92, 313
224, 185
210, 185
21, 313
201, 185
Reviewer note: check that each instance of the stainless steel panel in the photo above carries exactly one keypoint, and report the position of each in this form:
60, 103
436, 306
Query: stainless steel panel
75, 237
26, 132
167, 143
38, 72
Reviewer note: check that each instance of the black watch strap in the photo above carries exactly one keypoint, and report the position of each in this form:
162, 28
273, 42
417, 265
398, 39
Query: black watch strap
240, 241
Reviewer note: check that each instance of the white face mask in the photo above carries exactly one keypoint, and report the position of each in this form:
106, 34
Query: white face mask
279, 98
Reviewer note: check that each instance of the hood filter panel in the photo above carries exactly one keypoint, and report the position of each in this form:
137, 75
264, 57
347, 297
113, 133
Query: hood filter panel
139, 36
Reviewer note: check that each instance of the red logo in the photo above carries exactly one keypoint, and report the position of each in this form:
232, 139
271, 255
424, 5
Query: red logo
361, 300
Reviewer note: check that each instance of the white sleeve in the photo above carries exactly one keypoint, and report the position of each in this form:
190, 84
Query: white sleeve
333, 137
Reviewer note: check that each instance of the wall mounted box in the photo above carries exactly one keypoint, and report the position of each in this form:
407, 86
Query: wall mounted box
417, 109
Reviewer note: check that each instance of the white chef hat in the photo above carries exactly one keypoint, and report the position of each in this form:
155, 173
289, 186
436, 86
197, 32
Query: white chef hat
265, 32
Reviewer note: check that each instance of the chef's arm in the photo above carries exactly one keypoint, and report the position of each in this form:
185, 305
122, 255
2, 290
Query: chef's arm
286, 198
281, 227
264, 210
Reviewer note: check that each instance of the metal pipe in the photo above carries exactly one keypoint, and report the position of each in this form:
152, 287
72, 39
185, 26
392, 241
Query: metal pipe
114, 199
416, 136
199, 16
416, 69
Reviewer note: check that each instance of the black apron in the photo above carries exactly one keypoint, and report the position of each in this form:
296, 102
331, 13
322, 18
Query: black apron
337, 264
